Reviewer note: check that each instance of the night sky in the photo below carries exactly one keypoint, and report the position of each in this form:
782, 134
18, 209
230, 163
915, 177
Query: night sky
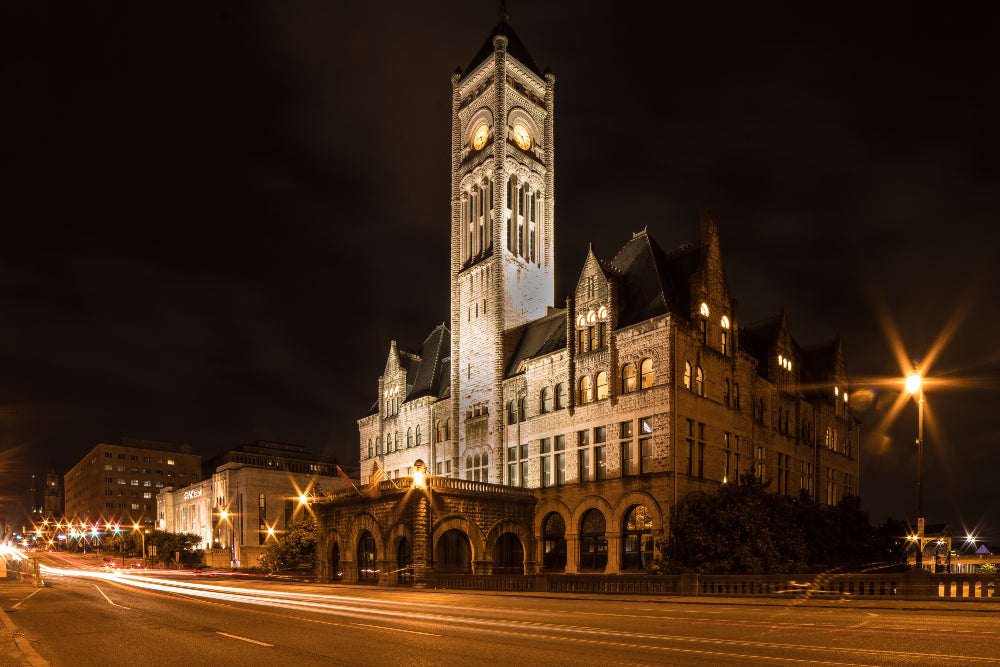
216, 215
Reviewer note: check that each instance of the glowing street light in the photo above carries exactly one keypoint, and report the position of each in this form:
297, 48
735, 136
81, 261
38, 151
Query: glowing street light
914, 385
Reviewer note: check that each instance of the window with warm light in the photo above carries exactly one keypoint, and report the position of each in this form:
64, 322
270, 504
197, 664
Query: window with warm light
646, 375
628, 378
704, 309
585, 394
602, 385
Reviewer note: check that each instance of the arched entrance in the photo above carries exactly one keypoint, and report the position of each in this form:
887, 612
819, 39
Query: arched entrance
367, 559
336, 574
508, 555
593, 544
453, 553
404, 561
637, 539
554, 539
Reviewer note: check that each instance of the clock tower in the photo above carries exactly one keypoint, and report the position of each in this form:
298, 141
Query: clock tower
502, 243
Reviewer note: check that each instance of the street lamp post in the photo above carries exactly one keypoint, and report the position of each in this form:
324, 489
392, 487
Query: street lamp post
914, 384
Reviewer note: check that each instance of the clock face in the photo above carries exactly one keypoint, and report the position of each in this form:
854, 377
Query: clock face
480, 137
521, 137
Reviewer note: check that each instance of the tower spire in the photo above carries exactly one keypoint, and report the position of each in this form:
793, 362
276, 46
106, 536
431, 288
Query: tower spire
504, 16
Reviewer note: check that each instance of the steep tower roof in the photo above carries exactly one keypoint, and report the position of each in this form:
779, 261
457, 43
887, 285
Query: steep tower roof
515, 47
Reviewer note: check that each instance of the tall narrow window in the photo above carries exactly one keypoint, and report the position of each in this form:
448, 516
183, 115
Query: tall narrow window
687, 375
561, 396
699, 381
602, 385
417, 431
546, 400
520, 222
586, 391
628, 378
531, 240
646, 373
726, 395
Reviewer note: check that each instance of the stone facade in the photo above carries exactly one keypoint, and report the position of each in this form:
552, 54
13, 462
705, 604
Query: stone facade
644, 387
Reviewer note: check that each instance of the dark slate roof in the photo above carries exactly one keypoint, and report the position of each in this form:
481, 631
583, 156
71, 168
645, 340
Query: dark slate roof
432, 369
536, 338
515, 47
654, 282
817, 364
757, 339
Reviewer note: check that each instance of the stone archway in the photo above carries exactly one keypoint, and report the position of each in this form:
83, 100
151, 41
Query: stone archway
453, 552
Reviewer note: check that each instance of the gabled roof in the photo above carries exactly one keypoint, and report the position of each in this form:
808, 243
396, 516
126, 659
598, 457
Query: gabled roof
534, 339
758, 338
432, 369
515, 47
654, 282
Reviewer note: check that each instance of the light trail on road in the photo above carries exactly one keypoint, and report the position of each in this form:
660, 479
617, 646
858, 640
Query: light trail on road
450, 619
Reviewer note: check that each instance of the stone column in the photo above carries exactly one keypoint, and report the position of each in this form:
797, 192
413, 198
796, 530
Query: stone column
421, 539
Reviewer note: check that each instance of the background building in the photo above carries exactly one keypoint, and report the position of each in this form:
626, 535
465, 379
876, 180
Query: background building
249, 495
118, 482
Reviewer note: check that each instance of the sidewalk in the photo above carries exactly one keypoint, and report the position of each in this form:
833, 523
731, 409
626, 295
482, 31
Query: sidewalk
14, 647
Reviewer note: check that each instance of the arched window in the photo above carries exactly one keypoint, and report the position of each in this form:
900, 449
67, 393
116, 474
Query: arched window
637, 539
484, 468
511, 412
388, 442
687, 375
409, 437
593, 543
736, 395
397, 440
367, 559
508, 555
545, 403
417, 436
726, 395
646, 376
369, 447
468, 468
561, 396
628, 378
475, 468
602, 385
447, 428
586, 394
523, 408
699, 381
554, 543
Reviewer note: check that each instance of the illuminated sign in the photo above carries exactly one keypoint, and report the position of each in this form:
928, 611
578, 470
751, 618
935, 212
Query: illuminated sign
188, 495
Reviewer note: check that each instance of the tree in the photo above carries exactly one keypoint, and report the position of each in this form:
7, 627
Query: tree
744, 529
295, 550
168, 544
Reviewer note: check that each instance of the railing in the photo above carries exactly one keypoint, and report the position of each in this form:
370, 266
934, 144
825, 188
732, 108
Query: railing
402, 484
902, 585
25, 570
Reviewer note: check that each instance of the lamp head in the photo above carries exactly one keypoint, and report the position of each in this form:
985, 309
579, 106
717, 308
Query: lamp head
913, 383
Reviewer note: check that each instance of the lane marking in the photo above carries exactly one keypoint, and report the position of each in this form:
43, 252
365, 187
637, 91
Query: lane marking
37, 590
110, 601
378, 627
243, 639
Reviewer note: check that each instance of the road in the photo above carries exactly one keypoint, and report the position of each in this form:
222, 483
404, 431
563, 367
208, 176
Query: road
102, 619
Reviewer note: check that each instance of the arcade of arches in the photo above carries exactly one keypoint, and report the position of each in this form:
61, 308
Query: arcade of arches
461, 527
